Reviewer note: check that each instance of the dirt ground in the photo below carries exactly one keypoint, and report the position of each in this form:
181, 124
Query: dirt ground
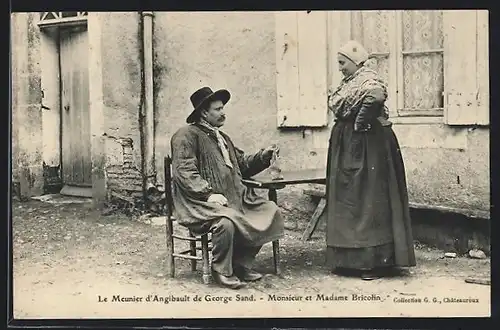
68, 257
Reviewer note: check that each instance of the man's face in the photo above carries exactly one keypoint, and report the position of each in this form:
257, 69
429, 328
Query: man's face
214, 114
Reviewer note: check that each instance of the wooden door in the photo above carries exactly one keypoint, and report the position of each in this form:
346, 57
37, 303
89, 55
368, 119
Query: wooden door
75, 116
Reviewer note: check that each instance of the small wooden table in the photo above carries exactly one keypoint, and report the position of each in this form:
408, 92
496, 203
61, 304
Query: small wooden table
264, 181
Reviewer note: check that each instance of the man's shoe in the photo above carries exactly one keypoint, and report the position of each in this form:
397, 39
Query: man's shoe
231, 282
246, 274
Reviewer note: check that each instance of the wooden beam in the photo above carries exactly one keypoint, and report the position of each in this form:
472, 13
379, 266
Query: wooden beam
67, 21
438, 112
320, 191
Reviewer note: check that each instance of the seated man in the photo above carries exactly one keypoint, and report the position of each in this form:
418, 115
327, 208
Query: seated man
208, 193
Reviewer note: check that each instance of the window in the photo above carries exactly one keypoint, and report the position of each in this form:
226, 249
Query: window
406, 48
420, 63
48, 19
435, 62
375, 30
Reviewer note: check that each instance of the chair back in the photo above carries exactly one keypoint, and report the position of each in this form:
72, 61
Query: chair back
169, 201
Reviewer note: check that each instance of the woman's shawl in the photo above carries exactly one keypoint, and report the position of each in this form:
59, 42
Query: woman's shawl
347, 99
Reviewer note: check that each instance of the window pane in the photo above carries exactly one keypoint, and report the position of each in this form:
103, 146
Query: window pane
371, 29
423, 72
423, 81
422, 29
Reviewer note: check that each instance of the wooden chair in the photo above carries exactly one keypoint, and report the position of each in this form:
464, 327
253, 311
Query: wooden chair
190, 254
204, 240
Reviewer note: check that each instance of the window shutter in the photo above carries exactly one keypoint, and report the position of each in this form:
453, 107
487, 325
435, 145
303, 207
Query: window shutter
313, 68
483, 74
460, 63
287, 68
301, 60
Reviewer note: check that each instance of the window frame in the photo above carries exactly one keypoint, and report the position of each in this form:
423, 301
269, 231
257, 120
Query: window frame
58, 19
400, 110
394, 56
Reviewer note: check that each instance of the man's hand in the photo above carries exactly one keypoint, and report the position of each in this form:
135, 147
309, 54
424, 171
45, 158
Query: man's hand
267, 153
217, 199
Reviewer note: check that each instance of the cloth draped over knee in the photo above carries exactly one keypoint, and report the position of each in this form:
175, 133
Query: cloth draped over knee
199, 170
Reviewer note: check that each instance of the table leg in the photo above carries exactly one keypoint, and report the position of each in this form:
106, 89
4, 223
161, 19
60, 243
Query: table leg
276, 257
273, 196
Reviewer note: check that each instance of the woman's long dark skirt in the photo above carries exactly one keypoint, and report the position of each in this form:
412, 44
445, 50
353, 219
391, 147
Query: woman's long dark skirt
368, 216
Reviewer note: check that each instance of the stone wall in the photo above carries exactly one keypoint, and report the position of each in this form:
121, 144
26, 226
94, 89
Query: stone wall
123, 177
27, 142
194, 50
446, 166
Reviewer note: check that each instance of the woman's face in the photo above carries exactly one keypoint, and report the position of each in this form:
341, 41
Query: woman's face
346, 66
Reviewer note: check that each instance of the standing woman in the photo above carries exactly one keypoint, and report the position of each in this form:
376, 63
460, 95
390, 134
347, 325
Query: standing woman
369, 227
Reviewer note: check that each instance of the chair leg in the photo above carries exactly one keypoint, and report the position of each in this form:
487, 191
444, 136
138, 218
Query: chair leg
276, 257
206, 260
170, 248
193, 252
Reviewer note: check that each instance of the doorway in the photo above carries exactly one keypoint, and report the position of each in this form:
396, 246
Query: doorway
76, 161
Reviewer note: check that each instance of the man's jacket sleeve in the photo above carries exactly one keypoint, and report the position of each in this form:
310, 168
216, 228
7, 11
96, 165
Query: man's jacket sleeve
184, 167
251, 165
